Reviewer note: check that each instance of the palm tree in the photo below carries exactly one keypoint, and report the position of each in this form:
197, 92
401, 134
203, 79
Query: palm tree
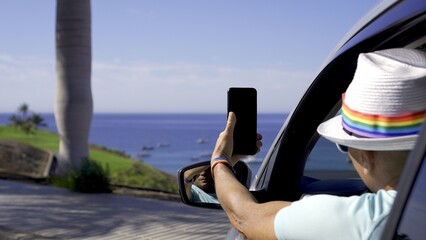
37, 121
74, 104
23, 109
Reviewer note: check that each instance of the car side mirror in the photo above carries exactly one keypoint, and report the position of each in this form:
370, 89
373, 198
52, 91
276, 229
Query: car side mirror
196, 186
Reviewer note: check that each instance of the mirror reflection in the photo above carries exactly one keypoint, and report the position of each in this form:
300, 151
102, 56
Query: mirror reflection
197, 185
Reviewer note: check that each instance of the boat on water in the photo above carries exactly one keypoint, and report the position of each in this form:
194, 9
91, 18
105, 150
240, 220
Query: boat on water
202, 141
143, 154
251, 159
162, 145
147, 148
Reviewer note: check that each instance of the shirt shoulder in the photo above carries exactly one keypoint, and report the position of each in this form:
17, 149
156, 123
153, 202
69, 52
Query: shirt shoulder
333, 217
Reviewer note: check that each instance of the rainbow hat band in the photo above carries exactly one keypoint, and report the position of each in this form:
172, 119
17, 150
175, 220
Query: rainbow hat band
378, 126
385, 105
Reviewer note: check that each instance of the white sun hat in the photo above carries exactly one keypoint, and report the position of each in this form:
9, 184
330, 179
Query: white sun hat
385, 104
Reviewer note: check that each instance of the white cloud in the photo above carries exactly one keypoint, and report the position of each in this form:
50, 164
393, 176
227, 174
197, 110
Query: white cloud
188, 87
120, 86
26, 79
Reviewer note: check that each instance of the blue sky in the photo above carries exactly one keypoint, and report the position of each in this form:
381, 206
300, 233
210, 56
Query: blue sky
176, 55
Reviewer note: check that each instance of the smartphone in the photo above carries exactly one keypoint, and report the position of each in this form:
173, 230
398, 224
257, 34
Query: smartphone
243, 102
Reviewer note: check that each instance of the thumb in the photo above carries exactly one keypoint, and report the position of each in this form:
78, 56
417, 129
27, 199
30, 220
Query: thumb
230, 124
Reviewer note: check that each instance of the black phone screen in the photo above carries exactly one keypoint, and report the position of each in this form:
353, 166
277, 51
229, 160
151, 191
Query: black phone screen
243, 102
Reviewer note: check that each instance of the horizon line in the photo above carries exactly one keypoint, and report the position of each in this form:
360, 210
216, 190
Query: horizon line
214, 112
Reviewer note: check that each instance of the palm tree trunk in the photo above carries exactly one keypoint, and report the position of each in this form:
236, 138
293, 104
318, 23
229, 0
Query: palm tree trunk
74, 104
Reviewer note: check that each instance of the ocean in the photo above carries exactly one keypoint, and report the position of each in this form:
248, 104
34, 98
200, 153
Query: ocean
169, 142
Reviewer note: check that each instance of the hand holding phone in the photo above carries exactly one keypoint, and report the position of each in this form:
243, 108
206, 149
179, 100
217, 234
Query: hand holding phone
243, 102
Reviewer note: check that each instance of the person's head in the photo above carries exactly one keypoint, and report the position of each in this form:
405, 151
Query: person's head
382, 112
204, 181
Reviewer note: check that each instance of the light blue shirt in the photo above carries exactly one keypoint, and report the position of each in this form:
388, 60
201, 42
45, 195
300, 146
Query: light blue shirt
198, 195
332, 217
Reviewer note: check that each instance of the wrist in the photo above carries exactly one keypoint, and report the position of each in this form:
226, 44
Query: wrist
220, 161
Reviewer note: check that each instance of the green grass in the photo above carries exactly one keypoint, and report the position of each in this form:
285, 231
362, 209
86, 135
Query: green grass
42, 139
123, 170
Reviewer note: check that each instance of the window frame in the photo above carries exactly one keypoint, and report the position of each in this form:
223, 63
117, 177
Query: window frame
409, 179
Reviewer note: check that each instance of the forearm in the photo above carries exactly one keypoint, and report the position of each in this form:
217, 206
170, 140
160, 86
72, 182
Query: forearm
233, 196
189, 174
228, 188
252, 219
188, 190
247, 216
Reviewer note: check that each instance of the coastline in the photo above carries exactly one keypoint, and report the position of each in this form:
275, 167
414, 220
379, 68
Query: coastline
172, 139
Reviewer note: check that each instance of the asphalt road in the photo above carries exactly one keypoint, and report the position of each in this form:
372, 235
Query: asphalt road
58, 213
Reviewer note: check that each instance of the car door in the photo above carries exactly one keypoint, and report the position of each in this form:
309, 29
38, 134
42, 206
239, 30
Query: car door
407, 219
